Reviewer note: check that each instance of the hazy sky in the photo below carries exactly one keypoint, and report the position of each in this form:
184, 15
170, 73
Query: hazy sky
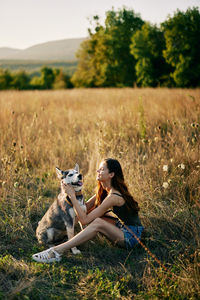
24, 23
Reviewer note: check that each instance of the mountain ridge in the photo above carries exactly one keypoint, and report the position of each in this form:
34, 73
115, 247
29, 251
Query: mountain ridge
57, 50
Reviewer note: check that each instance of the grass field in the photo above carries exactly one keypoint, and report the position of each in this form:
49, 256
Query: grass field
155, 134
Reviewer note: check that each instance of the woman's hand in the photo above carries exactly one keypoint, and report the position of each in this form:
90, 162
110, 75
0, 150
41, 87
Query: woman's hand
69, 190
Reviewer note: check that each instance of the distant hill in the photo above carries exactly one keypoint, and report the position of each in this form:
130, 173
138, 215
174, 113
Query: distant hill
61, 50
5, 52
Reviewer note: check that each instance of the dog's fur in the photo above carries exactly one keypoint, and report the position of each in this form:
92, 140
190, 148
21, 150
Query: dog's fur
59, 219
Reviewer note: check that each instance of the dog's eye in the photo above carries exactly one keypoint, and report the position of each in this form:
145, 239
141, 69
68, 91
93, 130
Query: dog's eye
70, 175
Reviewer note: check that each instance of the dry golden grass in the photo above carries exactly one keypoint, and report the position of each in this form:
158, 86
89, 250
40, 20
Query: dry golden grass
145, 129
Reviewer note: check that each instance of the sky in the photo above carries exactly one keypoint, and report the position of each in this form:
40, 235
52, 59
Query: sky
24, 23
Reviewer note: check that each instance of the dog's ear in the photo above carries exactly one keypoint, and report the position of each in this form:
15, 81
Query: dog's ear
59, 172
76, 167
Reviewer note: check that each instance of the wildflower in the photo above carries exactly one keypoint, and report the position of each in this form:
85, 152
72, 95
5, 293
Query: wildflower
193, 140
181, 166
165, 168
16, 184
165, 185
144, 157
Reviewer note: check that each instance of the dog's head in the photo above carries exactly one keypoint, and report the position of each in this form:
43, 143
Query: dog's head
71, 176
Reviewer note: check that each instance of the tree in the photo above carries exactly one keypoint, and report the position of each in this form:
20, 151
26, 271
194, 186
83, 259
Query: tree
182, 35
36, 83
62, 81
5, 80
105, 59
47, 78
87, 73
147, 46
21, 81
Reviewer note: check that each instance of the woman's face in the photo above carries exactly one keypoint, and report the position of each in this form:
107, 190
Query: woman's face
103, 172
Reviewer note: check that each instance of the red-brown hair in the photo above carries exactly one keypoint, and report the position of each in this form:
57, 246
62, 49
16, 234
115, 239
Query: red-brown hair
117, 182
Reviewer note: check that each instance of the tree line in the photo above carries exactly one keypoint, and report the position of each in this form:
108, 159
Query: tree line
127, 51
49, 78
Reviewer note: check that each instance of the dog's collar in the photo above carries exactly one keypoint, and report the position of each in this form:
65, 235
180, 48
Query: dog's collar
67, 199
78, 193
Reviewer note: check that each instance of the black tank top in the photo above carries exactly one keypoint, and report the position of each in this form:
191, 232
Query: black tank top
128, 216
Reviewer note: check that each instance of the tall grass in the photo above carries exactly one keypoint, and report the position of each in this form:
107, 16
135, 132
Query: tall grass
145, 129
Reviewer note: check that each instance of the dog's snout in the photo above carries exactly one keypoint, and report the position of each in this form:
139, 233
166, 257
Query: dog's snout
80, 176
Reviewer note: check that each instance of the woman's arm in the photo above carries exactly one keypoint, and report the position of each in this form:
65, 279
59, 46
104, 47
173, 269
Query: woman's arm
85, 218
90, 203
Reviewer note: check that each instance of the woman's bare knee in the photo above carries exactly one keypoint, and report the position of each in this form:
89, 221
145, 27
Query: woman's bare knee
98, 224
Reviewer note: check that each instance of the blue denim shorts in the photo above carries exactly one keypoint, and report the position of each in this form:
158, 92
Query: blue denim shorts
129, 240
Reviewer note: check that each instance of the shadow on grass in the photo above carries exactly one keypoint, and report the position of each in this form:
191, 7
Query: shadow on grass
100, 261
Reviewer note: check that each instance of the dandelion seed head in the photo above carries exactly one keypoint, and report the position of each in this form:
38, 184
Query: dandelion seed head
165, 168
165, 185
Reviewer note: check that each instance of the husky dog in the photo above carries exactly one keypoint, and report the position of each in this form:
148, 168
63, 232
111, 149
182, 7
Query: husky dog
59, 219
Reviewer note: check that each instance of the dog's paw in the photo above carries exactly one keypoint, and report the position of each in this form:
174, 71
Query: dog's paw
75, 251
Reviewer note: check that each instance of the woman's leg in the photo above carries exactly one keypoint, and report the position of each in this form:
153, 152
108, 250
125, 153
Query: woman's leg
112, 232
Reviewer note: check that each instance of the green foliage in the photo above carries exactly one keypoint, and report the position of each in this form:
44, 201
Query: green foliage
34, 67
123, 51
147, 46
85, 75
21, 81
62, 81
105, 59
5, 79
47, 78
36, 83
182, 35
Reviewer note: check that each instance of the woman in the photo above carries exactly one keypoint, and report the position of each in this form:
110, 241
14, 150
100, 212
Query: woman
112, 195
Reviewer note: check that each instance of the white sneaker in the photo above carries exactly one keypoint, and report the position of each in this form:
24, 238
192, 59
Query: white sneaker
47, 256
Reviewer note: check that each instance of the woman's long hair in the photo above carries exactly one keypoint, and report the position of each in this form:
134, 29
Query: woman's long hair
117, 182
